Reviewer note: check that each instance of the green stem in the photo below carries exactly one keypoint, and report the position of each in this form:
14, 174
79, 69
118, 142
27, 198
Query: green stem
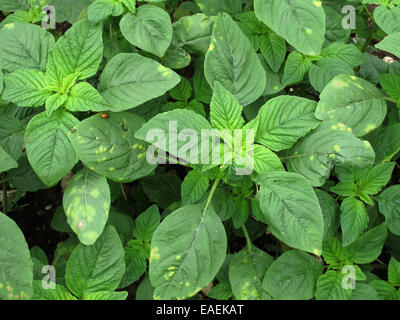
123, 191
214, 187
4, 197
390, 99
246, 235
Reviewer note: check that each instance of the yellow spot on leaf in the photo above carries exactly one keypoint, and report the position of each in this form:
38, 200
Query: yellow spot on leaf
317, 3
308, 31
154, 254
336, 148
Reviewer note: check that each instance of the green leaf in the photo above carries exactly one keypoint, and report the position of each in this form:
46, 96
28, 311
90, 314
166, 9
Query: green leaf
16, 268
99, 267
391, 84
265, 160
329, 287
246, 273
388, 19
146, 223
376, 178
106, 295
273, 49
213, 7
394, 272
86, 204
180, 271
389, 206
305, 27
284, 120
108, 146
241, 213
1, 81
331, 143
232, 61
26, 88
49, 151
59, 293
384, 289
385, 141
162, 189
334, 253
330, 211
100, 10
354, 102
368, 247
129, 80
24, 46
295, 69
291, 207
353, 220
364, 291
13, 5
83, 97
222, 291
54, 102
144, 290
136, 264
130, 5
223, 204
150, 29
225, 110
293, 276
390, 44
194, 186
183, 91
80, 49
12, 135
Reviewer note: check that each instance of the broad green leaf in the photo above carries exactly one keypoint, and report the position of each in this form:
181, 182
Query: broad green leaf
99, 267
54, 102
109, 148
49, 151
390, 44
273, 49
150, 29
305, 27
162, 189
375, 178
296, 67
364, 291
246, 273
129, 80
83, 97
291, 207
130, 5
144, 290
13, 5
353, 220
331, 143
354, 102
368, 247
222, 291
16, 268
329, 287
388, 19
183, 91
389, 206
284, 120
334, 253
12, 135
394, 272
391, 84
385, 141
242, 211
80, 49
59, 293
232, 61
106, 295
293, 276
194, 187
330, 211
193, 33
70, 10
384, 289
1, 81
265, 160
100, 10
225, 110
223, 204
136, 263
24, 46
26, 88
180, 271
213, 7
86, 204
347, 53
146, 223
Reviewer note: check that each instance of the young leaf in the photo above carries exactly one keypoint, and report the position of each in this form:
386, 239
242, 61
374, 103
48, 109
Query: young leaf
330, 211
176, 271
194, 187
329, 287
394, 272
136, 264
86, 203
108, 146
100, 10
390, 44
376, 178
354, 102
26, 88
49, 151
106, 295
149, 29
305, 27
146, 223
291, 207
293, 276
54, 102
59, 293
391, 84
83, 97
16, 268
389, 206
99, 267
246, 273
24, 46
231, 60
129, 80
273, 49
354, 220
296, 67
265, 160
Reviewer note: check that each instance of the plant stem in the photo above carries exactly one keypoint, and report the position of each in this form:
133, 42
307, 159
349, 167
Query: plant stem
211, 195
4, 197
123, 191
248, 240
